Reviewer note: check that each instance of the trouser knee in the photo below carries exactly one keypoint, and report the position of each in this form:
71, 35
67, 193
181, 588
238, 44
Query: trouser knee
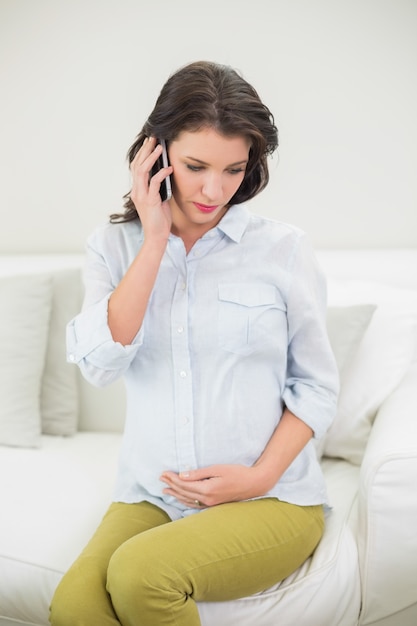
141, 577
65, 606
80, 599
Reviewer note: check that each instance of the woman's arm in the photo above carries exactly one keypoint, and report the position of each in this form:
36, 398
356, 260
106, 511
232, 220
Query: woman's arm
127, 304
287, 441
100, 338
229, 483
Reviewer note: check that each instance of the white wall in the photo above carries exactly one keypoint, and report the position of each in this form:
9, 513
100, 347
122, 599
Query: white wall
79, 77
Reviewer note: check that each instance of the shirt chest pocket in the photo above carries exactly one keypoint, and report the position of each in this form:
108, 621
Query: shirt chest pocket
250, 315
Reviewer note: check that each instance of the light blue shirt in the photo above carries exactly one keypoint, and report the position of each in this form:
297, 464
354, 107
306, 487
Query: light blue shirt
233, 331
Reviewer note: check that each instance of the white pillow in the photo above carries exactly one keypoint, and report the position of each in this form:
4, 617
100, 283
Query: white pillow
59, 393
381, 361
346, 326
25, 303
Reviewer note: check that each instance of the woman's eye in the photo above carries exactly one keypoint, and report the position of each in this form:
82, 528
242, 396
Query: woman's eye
199, 168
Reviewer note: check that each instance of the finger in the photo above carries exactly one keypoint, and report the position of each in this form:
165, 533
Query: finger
144, 151
203, 473
159, 176
197, 504
194, 501
167, 477
144, 161
146, 157
143, 168
142, 181
185, 492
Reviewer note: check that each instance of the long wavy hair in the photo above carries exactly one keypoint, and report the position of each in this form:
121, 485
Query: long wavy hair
209, 95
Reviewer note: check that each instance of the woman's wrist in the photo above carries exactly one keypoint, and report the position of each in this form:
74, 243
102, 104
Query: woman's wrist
156, 243
266, 476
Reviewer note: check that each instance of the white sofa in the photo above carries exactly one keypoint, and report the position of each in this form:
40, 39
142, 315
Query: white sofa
59, 441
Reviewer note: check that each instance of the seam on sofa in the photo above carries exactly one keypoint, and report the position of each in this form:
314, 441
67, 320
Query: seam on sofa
30, 564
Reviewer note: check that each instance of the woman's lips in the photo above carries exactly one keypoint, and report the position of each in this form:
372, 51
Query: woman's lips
205, 208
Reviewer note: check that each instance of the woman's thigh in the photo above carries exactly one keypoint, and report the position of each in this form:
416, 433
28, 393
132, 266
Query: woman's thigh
81, 597
224, 552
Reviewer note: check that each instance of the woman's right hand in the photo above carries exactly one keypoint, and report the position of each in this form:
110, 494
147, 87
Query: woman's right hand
128, 302
155, 215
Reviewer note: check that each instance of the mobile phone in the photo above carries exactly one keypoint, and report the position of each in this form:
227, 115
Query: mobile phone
165, 190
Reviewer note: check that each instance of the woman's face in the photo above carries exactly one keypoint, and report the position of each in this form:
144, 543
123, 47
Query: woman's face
208, 168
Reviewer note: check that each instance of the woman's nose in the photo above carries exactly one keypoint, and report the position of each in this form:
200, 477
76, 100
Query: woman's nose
213, 186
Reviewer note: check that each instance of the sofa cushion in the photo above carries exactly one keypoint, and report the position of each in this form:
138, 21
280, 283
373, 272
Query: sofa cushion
43, 532
346, 327
24, 321
378, 366
59, 393
55, 498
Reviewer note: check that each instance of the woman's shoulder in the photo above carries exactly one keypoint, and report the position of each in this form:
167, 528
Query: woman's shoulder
274, 229
288, 243
109, 233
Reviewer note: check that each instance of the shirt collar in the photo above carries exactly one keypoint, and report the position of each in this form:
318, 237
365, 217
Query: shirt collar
234, 222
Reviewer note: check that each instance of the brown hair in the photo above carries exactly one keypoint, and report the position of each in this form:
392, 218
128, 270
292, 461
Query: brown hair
205, 94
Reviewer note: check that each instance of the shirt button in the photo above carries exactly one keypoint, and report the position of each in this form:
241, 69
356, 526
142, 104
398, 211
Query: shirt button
185, 420
183, 374
71, 357
180, 329
183, 286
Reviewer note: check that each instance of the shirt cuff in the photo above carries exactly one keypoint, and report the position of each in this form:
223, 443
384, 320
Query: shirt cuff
315, 409
89, 338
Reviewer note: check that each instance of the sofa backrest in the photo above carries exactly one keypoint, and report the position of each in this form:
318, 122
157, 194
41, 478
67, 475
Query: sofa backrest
104, 409
68, 398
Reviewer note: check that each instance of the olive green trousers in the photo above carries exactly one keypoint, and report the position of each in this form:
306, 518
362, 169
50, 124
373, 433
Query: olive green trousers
142, 569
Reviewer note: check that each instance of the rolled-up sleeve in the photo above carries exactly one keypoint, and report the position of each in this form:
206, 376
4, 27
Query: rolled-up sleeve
90, 344
312, 383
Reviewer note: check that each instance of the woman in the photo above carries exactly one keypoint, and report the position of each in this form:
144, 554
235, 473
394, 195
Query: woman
216, 320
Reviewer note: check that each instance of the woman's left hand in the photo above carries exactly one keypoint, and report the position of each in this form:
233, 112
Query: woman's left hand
213, 485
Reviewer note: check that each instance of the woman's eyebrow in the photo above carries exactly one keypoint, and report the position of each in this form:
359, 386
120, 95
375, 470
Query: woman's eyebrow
244, 161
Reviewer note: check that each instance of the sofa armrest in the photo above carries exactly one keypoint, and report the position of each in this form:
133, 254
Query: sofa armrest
387, 540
